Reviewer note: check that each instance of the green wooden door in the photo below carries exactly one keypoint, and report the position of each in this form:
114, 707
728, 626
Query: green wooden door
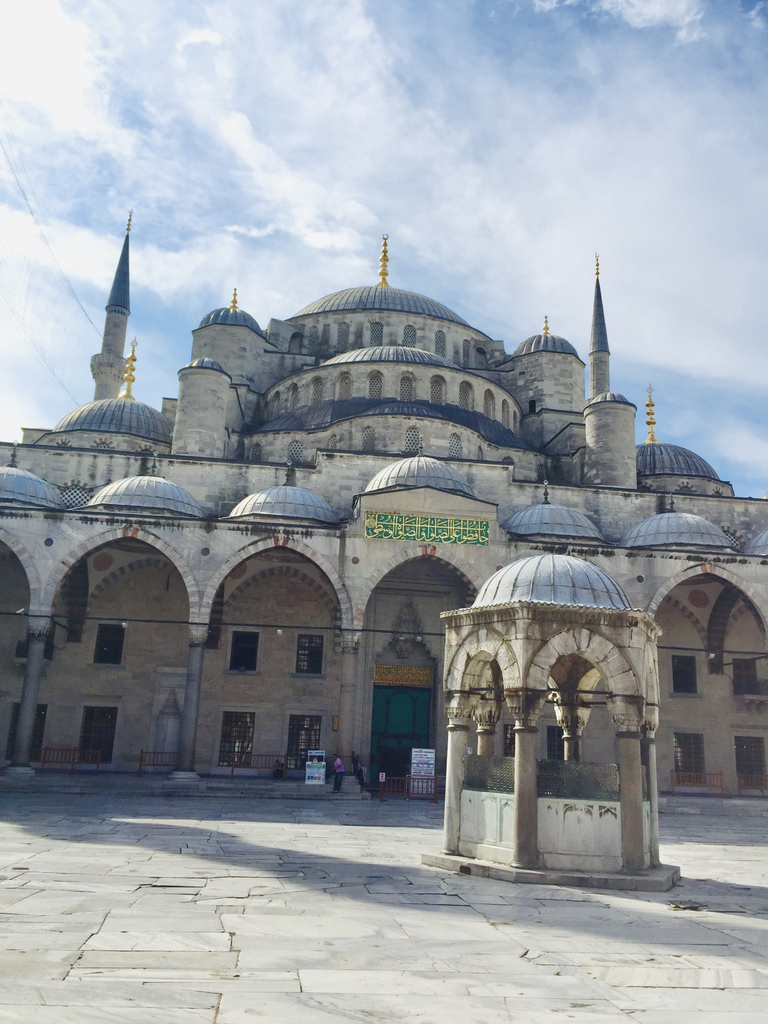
400, 721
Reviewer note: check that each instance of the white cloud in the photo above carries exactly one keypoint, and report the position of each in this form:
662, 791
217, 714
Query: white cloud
684, 15
203, 35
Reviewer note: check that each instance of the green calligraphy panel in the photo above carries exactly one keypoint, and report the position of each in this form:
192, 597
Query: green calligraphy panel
427, 529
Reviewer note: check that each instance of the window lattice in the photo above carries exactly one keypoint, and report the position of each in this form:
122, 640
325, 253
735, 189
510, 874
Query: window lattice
342, 339
377, 333
333, 442
413, 440
505, 413
440, 343
369, 440
454, 447
489, 405
75, 496
317, 391
344, 386
293, 393
375, 385
689, 751
465, 352
256, 453
750, 755
103, 443
312, 340
437, 391
295, 452
465, 395
409, 336
406, 389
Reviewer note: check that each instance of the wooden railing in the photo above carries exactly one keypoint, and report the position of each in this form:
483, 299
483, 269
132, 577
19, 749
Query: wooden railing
410, 787
751, 780
158, 759
697, 780
69, 756
275, 762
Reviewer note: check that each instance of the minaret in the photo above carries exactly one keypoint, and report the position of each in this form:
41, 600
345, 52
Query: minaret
599, 353
108, 366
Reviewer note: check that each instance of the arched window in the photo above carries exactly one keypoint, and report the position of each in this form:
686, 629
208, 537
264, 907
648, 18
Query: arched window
479, 453
406, 388
531, 405
465, 395
515, 421
437, 391
317, 390
293, 396
295, 452
294, 345
377, 333
274, 403
481, 359
489, 404
256, 453
344, 387
454, 447
375, 385
440, 343
342, 338
413, 441
409, 336
312, 340
505, 412
465, 352
333, 442
369, 440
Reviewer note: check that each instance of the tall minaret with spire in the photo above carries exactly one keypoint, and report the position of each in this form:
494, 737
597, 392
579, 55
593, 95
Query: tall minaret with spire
108, 366
599, 353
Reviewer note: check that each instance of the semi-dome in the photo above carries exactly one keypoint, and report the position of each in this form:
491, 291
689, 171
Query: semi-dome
118, 416
545, 342
204, 363
286, 502
230, 317
552, 579
758, 545
657, 459
150, 494
676, 529
420, 471
25, 488
391, 354
551, 521
396, 300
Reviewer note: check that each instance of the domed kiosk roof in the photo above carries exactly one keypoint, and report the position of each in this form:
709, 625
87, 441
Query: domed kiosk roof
676, 529
396, 300
150, 494
204, 363
286, 502
552, 579
118, 416
658, 459
25, 488
611, 396
230, 317
391, 354
420, 471
551, 521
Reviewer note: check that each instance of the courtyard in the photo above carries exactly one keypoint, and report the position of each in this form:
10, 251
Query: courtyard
136, 908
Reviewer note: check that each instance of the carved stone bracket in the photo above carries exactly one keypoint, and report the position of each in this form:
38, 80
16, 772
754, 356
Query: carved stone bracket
525, 705
349, 642
197, 634
486, 716
627, 712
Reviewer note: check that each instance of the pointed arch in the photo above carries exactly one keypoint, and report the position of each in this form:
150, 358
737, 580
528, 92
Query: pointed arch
758, 599
600, 652
28, 563
483, 646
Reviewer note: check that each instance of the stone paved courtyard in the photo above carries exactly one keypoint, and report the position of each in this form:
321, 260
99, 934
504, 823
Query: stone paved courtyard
143, 909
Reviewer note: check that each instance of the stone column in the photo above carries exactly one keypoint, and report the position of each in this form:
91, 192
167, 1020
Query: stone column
525, 705
652, 782
572, 719
486, 716
37, 635
198, 634
459, 716
346, 741
626, 713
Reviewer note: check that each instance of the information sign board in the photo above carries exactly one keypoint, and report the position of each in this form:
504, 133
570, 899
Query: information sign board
316, 755
314, 773
422, 763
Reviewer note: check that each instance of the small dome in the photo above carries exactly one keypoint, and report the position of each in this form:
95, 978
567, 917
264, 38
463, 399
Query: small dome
146, 494
758, 545
396, 300
118, 416
545, 343
420, 471
552, 579
656, 459
27, 489
204, 364
611, 396
286, 503
551, 521
231, 317
676, 529
391, 354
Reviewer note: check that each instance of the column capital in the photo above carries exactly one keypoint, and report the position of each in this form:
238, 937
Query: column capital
486, 715
572, 718
627, 712
525, 705
349, 641
39, 627
197, 634
651, 720
459, 713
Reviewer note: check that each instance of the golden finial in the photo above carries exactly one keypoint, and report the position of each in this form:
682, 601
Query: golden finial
233, 303
545, 328
129, 378
128, 225
383, 264
597, 265
651, 420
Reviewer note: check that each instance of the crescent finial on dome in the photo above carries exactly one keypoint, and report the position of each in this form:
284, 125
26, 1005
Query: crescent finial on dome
383, 264
651, 420
545, 328
129, 377
233, 303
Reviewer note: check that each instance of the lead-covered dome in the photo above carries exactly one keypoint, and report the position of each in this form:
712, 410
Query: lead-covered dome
551, 521
657, 459
420, 471
204, 363
286, 502
396, 300
118, 416
676, 529
230, 317
552, 579
758, 545
23, 488
151, 494
391, 354
545, 342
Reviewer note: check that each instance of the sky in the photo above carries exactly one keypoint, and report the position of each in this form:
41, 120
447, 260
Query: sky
267, 145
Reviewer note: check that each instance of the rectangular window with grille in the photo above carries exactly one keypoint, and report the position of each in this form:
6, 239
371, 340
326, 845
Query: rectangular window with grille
236, 743
37, 732
98, 732
683, 673
689, 752
110, 637
303, 735
509, 739
750, 755
244, 652
745, 676
555, 748
309, 654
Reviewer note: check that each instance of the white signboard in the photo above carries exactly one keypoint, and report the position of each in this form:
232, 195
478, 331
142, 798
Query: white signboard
314, 773
316, 755
422, 763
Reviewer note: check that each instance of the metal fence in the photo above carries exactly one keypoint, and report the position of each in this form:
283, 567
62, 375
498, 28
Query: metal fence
565, 779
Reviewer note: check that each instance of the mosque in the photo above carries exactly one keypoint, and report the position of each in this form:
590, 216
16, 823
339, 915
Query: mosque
291, 552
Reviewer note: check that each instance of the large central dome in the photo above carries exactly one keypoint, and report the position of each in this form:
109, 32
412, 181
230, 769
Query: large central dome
396, 300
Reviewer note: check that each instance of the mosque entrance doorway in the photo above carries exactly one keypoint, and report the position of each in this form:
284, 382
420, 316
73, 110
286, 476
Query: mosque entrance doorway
400, 721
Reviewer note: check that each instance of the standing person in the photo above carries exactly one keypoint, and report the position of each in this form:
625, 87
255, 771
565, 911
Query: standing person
338, 767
